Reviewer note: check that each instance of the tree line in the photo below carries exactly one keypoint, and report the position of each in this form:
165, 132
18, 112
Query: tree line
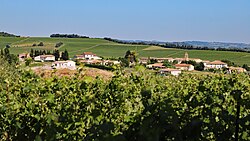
67, 36
176, 45
63, 56
7, 56
5, 34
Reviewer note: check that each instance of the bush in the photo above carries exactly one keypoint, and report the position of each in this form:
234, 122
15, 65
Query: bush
41, 44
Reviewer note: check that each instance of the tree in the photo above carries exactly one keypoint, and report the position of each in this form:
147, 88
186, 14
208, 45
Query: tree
57, 54
199, 66
28, 61
1, 53
245, 66
65, 55
32, 53
124, 62
130, 56
6, 52
7, 46
41, 44
167, 64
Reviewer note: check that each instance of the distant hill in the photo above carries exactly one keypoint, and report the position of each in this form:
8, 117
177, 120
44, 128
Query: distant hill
5, 34
216, 44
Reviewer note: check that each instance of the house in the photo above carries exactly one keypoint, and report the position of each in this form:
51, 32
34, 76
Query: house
160, 60
187, 67
23, 56
186, 58
45, 58
215, 65
110, 62
156, 66
237, 69
79, 57
144, 60
171, 71
92, 62
64, 64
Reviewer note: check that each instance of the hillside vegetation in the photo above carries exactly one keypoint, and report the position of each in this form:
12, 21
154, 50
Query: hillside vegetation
110, 49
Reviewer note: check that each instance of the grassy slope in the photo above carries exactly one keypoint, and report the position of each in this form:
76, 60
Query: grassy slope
109, 49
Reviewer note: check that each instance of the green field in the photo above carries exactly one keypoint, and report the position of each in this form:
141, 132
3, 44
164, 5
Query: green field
109, 49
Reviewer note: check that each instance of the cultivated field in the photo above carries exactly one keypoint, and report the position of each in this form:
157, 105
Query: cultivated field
109, 49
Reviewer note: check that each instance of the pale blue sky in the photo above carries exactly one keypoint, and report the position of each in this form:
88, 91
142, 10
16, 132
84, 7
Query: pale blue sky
164, 20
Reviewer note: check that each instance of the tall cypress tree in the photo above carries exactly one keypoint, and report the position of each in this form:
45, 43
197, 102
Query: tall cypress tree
32, 53
56, 54
66, 55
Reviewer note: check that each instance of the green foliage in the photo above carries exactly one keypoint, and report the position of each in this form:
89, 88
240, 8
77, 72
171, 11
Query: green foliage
65, 55
58, 44
245, 66
168, 64
40, 44
136, 106
28, 61
229, 63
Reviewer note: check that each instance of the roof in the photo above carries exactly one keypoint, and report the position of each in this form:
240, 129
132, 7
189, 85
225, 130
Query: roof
216, 62
79, 55
169, 69
47, 56
157, 65
182, 65
88, 53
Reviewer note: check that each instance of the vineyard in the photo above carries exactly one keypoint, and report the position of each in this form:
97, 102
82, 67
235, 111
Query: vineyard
136, 106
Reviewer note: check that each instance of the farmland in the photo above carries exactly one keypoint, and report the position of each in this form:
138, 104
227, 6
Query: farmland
109, 49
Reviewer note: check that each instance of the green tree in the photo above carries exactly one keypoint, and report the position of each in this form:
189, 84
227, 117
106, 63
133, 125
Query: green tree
56, 54
65, 55
167, 64
245, 66
28, 61
41, 44
32, 53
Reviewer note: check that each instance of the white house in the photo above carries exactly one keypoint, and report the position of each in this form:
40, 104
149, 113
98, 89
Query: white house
87, 56
64, 64
45, 58
187, 67
215, 65
174, 72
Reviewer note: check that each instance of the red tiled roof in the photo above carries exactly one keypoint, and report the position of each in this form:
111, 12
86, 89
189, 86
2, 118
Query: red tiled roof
88, 53
216, 62
182, 65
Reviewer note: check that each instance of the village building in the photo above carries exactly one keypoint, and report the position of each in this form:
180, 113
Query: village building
144, 60
87, 56
156, 66
110, 62
171, 71
160, 60
45, 58
64, 65
23, 56
186, 58
187, 67
215, 65
237, 69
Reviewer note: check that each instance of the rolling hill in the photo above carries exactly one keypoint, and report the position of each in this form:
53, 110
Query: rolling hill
110, 49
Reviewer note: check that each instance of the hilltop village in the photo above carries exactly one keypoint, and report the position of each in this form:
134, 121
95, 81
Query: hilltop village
162, 66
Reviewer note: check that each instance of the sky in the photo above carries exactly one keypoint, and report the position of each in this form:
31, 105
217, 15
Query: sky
162, 20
